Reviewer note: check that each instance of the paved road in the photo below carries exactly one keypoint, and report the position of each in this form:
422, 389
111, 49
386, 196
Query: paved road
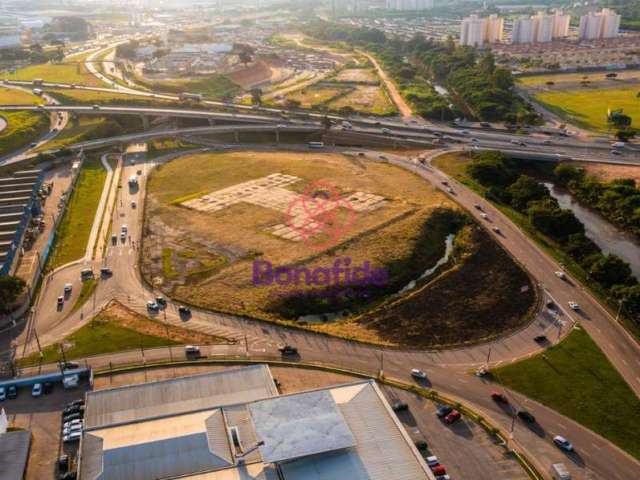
447, 370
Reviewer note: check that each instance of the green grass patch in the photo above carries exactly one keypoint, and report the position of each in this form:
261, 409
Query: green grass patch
97, 337
74, 71
87, 289
14, 96
167, 267
75, 227
213, 86
588, 107
576, 379
22, 129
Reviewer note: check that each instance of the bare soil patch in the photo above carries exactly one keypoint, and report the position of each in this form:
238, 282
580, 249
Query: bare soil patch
606, 172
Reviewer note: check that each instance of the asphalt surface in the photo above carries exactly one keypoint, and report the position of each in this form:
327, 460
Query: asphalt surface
448, 370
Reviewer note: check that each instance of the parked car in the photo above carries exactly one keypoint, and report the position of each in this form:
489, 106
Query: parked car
288, 350
63, 464
415, 373
3, 394
574, 306
526, 416
79, 402
71, 429
563, 444
432, 461
421, 445
439, 470
36, 390
12, 392
443, 410
453, 417
71, 423
69, 476
499, 398
152, 306
399, 406
540, 339
73, 416
184, 311
161, 301
72, 437
72, 409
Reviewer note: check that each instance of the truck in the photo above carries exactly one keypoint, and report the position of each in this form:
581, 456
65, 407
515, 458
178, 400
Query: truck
559, 472
194, 97
37, 91
617, 145
37, 82
133, 181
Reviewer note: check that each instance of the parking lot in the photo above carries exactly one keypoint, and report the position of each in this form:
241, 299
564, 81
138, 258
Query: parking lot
42, 416
464, 448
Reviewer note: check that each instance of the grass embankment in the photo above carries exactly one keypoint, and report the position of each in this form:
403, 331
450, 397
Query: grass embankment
14, 96
214, 87
73, 71
89, 127
75, 227
90, 97
588, 108
576, 379
455, 165
118, 329
22, 129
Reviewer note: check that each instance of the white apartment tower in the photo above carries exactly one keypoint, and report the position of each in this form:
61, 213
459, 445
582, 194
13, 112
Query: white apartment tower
409, 5
543, 27
523, 30
476, 31
494, 28
561, 23
604, 24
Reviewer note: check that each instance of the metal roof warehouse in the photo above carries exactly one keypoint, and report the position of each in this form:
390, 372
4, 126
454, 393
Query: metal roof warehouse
233, 425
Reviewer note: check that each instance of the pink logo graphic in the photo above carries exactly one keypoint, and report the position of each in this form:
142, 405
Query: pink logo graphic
320, 215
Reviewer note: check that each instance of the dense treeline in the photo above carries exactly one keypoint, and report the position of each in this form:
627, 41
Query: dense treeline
478, 88
617, 200
506, 184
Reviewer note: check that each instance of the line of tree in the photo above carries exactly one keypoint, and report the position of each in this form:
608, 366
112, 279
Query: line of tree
479, 88
506, 184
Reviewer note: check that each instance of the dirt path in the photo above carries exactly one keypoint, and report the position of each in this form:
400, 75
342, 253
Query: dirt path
401, 104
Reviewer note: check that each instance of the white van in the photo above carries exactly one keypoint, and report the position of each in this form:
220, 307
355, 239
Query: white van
617, 145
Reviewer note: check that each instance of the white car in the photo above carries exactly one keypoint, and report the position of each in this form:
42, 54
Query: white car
3, 394
432, 461
68, 287
574, 306
123, 229
72, 423
495, 229
560, 274
71, 429
36, 391
562, 443
72, 437
415, 373
484, 215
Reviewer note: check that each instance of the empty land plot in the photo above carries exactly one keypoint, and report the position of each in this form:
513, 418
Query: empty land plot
366, 99
21, 129
75, 72
357, 75
587, 107
205, 227
209, 257
315, 96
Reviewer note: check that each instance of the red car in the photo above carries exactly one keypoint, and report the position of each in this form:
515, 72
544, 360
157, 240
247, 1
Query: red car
453, 417
499, 398
439, 470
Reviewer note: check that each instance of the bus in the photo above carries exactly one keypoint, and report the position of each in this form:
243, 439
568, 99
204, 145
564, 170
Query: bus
316, 144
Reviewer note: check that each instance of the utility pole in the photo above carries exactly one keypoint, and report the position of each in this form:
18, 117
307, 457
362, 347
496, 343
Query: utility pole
166, 326
381, 372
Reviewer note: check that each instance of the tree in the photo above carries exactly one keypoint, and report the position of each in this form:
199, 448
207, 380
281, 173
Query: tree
10, 289
611, 270
256, 96
488, 63
524, 190
565, 173
245, 57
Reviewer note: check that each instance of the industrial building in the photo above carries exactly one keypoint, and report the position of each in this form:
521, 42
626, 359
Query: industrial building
598, 25
476, 31
233, 425
14, 453
18, 204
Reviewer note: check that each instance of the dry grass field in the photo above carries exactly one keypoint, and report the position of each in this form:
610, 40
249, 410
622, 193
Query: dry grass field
206, 258
367, 99
214, 251
357, 75
315, 96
